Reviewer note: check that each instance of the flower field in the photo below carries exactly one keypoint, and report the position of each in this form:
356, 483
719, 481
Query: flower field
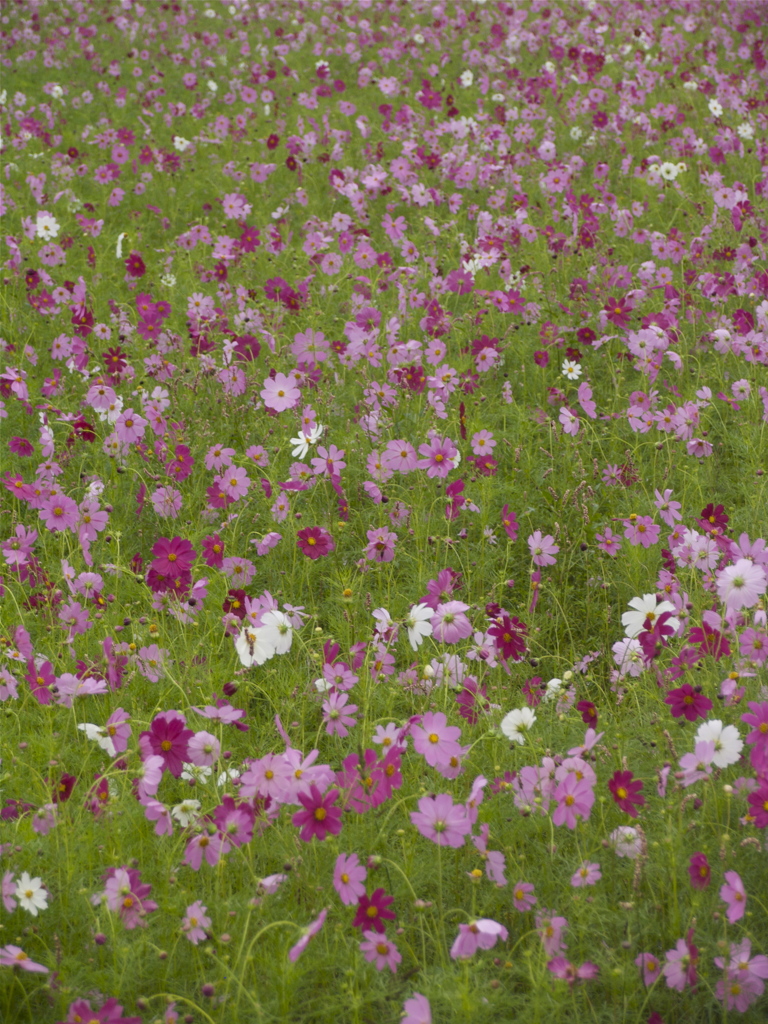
383, 449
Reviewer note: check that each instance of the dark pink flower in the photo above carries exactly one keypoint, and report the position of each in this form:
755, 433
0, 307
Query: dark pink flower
373, 911
319, 817
626, 792
168, 738
688, 702
315, 542
699, 871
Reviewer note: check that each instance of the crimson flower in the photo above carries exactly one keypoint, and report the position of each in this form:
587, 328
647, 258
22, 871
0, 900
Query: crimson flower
319, 817
626, 792
508, 635
689, 702
372, 912
315, 542
588, 713
509, 522
235, 603
699, 871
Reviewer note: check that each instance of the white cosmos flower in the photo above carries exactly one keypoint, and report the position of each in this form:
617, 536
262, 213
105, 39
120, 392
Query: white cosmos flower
728, 742
466, 78
253, 648
304, 440
715, 108
180, 144
571, 369
31, 894
100, 735
276, 630
554, 686
46, 225
186, 812
668, 171
418, 624
196, 772
646, 607
517, 723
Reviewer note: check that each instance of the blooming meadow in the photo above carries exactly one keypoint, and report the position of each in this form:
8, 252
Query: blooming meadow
383, 519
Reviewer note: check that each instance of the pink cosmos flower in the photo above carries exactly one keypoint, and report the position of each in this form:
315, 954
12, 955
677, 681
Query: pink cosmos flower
281, 393
449, 623
166, 502
380, 950
680, 968
307, 934
329, 461
587, 874
348, 878
381, 545
741, 585
480, 934
650, 966
745, 976
440, 457
551, 930
234, 482
565, 970
60, 513
575, 797
338, 715
417, 1010
435, 739
641, 530
522, 896
195, 922
125, 893
399, 456
543, 548
14, 956
130, 427
172, 557
442, 821
203, 749
732, 893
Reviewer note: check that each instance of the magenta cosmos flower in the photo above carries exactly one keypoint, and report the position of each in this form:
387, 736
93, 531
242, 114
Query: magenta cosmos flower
543, 548
626, 792
315, 542
688, 702
172, 557
319, 817
566, 971
373, 911
699, 871
60, 513
442, 821
168, 737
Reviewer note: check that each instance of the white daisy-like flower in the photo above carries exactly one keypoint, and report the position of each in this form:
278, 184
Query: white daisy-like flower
46, 225
554, 686
728, 742
571, 369
746, 131
466, 78
100, 735
186, 812
305, 439
646, 607
277, 631
181, 145
31, 894
517, 724
418, 624
196, 772
668, 171
253, 648
715, 108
